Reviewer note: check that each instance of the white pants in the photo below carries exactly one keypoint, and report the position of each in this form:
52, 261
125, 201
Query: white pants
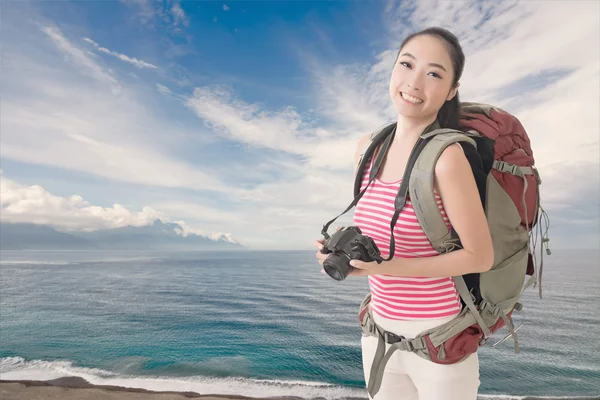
410, 377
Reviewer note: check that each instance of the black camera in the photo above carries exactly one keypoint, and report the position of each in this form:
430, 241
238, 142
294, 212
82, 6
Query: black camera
346, 244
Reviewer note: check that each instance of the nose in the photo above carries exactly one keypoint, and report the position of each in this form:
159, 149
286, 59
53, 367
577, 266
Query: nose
411, 86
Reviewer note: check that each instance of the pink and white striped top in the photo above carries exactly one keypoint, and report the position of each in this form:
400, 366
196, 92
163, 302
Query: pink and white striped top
397, 297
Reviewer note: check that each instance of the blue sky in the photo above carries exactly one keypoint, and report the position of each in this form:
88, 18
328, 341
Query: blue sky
241, 118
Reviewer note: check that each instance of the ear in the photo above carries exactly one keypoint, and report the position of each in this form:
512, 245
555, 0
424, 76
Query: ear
452, 92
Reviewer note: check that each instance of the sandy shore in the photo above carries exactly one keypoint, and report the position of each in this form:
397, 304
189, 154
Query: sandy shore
75, 388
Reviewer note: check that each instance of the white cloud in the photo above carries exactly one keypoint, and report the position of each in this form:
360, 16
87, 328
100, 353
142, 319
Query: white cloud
226, 7
248, 123
501, 54
283, 130
33, 204
163, 89
145, 9
503, 58
207, 215
80, 59
20, 203
541, 63
53, 116
170, 12
354, 97
186, 231
178, 15
123, 57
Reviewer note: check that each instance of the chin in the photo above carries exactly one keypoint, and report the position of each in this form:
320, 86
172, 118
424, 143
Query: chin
404, 109
407, 111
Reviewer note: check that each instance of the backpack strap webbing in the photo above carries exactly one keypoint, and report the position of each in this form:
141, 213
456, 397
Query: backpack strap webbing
369, 147
422, 194
465, 294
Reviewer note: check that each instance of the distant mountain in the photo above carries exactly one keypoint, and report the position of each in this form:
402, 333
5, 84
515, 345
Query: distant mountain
39, 237
159, 236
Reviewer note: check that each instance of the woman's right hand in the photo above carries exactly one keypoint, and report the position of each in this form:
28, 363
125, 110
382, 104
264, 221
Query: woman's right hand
320, 256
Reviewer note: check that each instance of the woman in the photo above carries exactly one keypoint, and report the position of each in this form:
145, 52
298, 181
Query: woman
414, 291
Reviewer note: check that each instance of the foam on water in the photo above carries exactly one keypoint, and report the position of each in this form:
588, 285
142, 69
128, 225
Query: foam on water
68, 257
506, 397
16, 368
34, 262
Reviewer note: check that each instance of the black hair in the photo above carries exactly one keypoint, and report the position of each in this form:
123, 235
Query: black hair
449, 114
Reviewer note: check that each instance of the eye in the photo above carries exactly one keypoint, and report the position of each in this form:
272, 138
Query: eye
435, 75
406, 64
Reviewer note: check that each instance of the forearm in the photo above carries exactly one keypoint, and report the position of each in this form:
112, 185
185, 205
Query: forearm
455, 263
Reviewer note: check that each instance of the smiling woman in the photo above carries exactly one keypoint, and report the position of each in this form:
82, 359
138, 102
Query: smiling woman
456, 185
415, 291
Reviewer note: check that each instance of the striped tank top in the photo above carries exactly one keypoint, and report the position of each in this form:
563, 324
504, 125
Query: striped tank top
397, 297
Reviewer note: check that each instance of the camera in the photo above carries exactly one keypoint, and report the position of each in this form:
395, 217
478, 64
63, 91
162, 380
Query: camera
346, 244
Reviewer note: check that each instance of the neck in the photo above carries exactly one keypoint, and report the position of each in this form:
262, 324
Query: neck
408, 130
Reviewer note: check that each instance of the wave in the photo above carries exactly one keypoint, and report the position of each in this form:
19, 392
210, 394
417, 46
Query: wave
34, 262
508, 397
78, 261
17, 368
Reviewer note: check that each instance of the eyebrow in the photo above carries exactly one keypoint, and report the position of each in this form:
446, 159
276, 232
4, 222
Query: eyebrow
432, 64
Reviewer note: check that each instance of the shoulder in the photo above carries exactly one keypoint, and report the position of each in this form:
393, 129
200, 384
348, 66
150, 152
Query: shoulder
360, 144
452, 162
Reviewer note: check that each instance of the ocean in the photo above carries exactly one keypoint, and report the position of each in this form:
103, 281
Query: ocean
259, 323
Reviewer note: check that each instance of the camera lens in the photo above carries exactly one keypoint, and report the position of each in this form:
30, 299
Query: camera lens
337, 267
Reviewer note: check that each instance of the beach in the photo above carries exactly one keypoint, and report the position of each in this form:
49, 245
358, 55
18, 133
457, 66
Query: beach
76, 388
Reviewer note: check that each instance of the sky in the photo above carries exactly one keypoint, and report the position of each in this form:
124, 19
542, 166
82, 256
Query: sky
241, 118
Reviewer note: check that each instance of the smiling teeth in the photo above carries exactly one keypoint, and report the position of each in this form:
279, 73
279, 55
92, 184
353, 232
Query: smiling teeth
408, 97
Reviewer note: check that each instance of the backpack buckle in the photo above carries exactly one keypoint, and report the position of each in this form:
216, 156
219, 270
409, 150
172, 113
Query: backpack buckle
392, 338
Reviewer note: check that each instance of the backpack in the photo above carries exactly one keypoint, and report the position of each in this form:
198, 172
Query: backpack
500, 155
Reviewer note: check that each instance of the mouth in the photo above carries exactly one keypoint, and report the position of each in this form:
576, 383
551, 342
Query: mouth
410, 99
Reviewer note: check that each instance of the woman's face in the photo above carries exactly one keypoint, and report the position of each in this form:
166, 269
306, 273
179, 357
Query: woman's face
422, 78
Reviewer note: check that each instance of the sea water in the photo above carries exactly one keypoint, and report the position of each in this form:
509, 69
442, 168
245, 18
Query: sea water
259, 323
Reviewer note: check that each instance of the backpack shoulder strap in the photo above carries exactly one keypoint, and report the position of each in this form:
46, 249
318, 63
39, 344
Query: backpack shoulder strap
374, 140
421, 189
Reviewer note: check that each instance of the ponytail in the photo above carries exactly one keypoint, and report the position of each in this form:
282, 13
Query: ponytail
449, 114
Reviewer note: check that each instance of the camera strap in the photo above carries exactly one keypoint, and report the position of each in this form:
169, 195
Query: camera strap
373, 174
401, 196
